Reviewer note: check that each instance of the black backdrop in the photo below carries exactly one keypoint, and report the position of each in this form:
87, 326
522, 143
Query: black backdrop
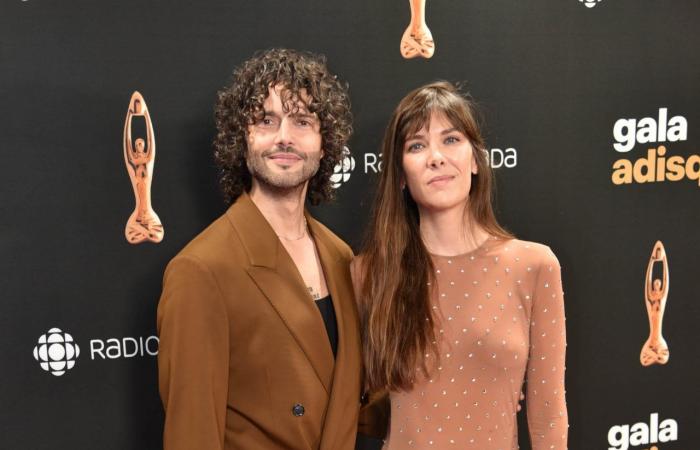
552, 76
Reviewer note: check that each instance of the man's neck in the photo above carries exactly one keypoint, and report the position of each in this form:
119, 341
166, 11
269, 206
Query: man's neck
282, 208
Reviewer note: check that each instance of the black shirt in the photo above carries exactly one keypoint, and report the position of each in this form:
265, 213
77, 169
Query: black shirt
325, 306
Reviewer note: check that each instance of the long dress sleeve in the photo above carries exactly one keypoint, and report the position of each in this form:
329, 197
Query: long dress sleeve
193, 357
546, 403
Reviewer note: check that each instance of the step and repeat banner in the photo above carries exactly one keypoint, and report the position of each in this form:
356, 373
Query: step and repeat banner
592, 117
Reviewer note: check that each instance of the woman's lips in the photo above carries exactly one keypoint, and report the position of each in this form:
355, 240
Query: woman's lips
442, 179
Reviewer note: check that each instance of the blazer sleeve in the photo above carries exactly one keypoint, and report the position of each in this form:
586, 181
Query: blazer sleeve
193, 357
374, 418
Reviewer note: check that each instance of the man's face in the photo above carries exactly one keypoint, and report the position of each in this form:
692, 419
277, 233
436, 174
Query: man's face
284, 147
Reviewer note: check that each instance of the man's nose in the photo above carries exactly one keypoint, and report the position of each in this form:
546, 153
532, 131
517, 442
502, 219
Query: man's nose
284, 134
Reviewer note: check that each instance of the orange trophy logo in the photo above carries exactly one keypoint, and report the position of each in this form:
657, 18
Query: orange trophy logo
139, 155
655, 349
417, 39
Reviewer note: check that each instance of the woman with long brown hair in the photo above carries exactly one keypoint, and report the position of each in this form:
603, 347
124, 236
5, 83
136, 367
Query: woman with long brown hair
455, 311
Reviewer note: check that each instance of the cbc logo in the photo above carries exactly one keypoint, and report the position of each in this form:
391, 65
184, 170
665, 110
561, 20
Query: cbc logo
342, 170
56, 351
590, 3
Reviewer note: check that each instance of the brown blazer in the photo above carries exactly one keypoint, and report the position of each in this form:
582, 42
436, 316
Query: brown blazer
245, 361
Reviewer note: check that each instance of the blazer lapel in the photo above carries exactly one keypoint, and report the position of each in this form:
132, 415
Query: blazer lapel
345, 395
275, 274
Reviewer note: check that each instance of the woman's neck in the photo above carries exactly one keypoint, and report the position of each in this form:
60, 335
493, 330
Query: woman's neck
450, 232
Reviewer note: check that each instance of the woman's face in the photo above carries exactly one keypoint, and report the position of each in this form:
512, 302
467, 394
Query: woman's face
438, 162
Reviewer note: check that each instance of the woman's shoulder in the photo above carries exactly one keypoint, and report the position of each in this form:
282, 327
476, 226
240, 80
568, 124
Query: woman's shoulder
357, 270
535, 254
357, 264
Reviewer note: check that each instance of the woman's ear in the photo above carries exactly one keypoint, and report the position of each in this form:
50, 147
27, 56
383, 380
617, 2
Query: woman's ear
475, 166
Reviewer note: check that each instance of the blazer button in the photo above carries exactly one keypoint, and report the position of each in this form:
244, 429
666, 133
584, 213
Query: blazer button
298, 410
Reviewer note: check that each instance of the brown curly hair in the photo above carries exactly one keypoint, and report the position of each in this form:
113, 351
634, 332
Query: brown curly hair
241, 104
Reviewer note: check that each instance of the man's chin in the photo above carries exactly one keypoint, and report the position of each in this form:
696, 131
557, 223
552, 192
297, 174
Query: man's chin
284, 181
278, 177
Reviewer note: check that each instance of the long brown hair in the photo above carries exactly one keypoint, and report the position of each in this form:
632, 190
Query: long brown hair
398, 325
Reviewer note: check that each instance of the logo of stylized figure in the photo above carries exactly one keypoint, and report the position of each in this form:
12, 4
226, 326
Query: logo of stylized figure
56, 351
655, 349
590, 3
342, 170
417, 39
139, 155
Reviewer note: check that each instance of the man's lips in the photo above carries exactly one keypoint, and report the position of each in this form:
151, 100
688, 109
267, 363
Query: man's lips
284, 156
441, 178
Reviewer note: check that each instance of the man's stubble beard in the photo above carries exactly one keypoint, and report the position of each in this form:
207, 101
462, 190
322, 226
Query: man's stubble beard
282, 181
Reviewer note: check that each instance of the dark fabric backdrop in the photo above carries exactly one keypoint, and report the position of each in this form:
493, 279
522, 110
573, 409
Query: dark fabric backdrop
552, 77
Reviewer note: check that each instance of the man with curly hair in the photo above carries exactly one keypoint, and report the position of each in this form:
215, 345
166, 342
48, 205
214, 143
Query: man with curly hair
259, 336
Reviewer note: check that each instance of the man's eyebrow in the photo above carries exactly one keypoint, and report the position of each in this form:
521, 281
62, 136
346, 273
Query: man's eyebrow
270, 114
304, 115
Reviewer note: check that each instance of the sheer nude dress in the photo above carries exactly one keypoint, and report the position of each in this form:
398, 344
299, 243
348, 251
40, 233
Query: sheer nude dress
501, 322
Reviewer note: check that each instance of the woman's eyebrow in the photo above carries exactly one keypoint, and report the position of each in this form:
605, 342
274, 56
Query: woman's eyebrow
415, 136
